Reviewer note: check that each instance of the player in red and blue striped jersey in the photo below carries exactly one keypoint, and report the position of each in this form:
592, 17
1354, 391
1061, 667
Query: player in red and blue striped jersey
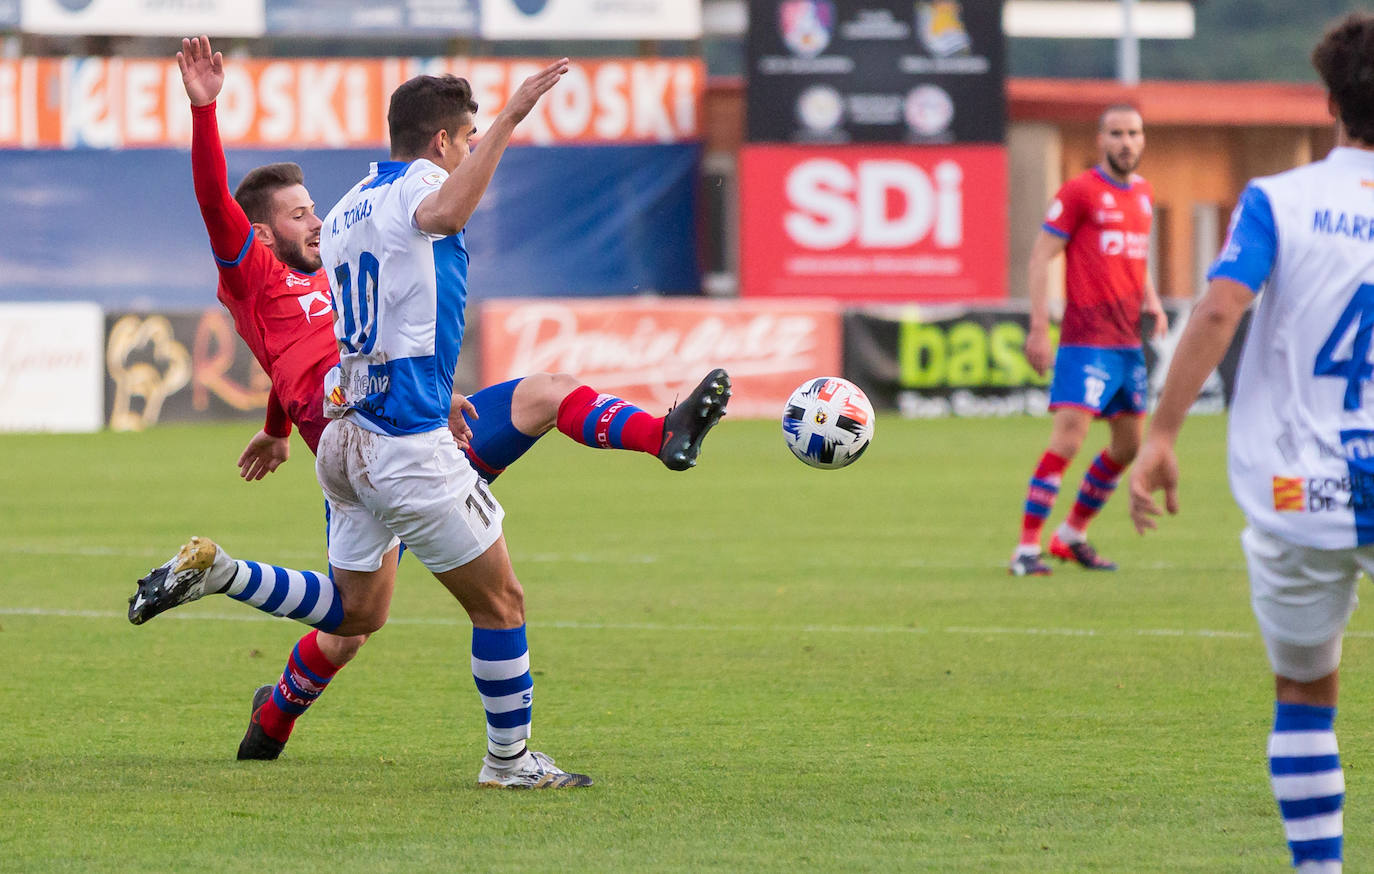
1100, 220
265, 240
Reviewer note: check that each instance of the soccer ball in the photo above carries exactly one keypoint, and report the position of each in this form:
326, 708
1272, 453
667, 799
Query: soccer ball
828, 422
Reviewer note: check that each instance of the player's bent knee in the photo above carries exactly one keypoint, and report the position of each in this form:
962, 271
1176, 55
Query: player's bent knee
552, 388
361, 624
1298, 665
340, 649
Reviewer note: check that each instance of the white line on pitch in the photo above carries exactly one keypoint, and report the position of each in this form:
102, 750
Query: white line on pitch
454, 622
316, 559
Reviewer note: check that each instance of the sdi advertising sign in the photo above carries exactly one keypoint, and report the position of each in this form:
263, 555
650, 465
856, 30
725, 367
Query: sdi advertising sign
874, 223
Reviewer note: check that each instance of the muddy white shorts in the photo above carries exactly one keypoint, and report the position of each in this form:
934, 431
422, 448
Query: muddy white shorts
418, 489
1303, 598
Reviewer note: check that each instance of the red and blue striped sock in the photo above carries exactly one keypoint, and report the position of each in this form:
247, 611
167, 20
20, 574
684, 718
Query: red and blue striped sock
1098, 484
1040, 495
307, 674
607, 422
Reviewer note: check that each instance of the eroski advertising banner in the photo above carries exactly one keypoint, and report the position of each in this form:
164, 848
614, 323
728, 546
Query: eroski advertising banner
959, 361
876, 71
333, 103
652, 351
874, 223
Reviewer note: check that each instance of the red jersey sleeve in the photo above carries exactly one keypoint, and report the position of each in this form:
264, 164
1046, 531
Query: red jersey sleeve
1066, 210
278, 424
231, 234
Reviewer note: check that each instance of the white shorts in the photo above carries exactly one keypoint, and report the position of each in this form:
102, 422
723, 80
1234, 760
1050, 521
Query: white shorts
418, 489
1302, 598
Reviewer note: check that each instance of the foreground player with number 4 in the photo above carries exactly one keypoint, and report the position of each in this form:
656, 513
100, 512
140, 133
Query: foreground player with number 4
394, 252
1301, 444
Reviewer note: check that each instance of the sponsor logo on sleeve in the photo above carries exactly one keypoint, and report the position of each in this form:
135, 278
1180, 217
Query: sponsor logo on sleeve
1288, 494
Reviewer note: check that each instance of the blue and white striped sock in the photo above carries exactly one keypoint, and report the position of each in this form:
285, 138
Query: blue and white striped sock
1305, 768
501, 669
306, 596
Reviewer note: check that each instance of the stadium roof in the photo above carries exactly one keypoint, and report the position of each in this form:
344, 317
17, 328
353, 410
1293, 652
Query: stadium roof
1240, 104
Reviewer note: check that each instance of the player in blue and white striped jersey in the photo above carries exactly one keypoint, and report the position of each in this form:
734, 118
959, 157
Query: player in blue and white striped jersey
393, 250
1301, 443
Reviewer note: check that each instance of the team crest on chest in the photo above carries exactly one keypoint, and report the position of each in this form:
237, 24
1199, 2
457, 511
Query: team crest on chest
316, 303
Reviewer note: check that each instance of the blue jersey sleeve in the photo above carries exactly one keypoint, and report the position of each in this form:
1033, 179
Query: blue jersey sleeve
1251, 244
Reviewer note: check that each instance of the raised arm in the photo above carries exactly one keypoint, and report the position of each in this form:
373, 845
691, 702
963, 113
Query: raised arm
202, 74
447, 210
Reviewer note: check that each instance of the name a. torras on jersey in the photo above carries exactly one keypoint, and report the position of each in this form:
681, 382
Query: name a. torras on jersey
354, 214
1360, 227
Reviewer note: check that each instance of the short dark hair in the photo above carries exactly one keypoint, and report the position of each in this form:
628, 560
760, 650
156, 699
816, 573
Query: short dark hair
1345, 61
1115, 107
423, 106
255, 192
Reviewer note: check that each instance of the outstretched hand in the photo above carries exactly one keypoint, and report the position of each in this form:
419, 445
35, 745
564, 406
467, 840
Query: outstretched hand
529, 92
202, 70
263, 454
458, 424
1155, 469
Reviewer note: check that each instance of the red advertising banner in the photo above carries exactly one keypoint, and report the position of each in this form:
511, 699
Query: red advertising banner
116, 103
874, 223
652, 351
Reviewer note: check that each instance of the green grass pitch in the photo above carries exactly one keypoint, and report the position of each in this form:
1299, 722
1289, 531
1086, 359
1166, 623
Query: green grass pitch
765, 667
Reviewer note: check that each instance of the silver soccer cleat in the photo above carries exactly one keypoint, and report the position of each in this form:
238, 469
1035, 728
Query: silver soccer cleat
533, 770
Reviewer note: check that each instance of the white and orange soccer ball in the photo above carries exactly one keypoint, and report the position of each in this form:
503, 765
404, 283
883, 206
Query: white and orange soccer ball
828, 422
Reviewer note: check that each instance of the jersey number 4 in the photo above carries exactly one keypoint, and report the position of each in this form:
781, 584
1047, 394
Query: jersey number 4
359, 305
1355, 370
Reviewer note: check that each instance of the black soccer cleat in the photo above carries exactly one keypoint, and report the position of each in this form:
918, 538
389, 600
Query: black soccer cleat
1081, 553
1023, 565
686, 424
180, 580
256, 743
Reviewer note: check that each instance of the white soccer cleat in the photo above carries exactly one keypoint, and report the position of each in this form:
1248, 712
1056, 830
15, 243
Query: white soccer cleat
533, 770
184, 579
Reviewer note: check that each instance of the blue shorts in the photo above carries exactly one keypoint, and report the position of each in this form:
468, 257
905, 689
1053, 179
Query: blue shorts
1105, 382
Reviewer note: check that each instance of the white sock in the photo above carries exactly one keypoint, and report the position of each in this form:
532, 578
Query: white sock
1071, 535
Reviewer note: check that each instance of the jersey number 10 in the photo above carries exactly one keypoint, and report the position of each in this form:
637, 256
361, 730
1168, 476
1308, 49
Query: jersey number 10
359, 305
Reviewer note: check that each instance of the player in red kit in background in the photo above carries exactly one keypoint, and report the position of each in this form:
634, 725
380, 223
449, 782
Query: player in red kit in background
1100, 220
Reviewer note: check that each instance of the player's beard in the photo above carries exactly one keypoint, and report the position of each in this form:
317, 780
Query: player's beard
1124, 170
293, 255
